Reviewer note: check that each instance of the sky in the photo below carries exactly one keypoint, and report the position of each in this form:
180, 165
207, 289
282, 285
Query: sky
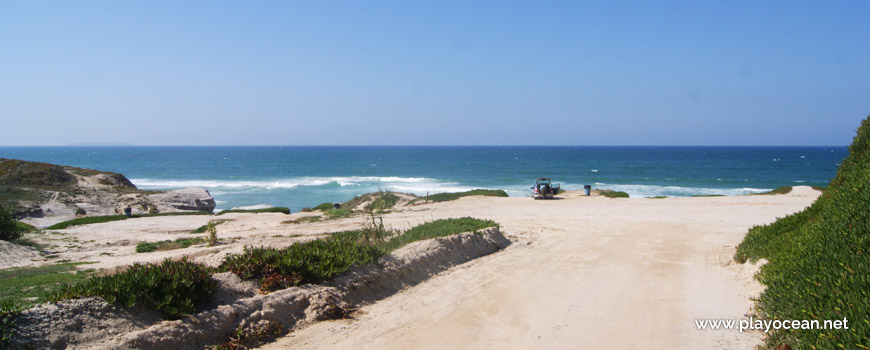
433, 72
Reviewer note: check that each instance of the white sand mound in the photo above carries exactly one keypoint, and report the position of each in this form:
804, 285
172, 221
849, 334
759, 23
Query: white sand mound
14, 255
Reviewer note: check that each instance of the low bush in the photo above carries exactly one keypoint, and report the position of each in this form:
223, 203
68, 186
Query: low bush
337, 213
778, 190
308, 262
819, 260
449, 196
174, 288
10, 229
86, 221
321, 260
8, 316
435, 229
146, 247
25, 227
283, 210
384, 201
27, 286
613, 194
323, 206
204, 228
108, 218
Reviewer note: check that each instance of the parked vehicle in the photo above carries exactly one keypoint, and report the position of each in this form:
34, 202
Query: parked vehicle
544, 188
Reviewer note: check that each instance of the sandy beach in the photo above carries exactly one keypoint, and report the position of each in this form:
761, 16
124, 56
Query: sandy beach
582, 271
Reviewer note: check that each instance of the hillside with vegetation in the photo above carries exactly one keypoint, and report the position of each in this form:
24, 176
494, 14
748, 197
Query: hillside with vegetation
41, 190
819, 260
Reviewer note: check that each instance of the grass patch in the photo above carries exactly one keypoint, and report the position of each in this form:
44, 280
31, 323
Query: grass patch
819, 260
435, 229
384, 201
24, 227
25, 286
146, 247
176, 213
204, 228
283, 210
613, 194
778, 190
304, 219
321, 260
8, 317
820, 188
323, 206
86, 221
174, 288
443, 197
108, 218
337, 213
658, 197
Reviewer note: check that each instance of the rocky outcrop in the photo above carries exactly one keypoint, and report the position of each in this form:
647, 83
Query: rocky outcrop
196, 199
43, 194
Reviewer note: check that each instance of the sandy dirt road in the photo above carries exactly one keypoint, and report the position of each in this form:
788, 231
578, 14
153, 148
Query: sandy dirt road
583, 272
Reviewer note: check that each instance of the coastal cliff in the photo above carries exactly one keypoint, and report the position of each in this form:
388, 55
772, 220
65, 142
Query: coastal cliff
46, 193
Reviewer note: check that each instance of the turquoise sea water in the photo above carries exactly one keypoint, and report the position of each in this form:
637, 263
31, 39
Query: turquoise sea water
299, 177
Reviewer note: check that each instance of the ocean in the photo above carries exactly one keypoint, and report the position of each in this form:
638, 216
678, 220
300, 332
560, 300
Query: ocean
303, 176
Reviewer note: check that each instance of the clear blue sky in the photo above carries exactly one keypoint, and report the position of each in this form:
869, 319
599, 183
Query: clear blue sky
433, 73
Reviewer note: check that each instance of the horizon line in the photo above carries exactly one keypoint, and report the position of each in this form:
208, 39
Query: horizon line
132, 145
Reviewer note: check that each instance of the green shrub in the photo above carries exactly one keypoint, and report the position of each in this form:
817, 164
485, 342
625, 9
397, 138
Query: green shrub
27, 286
107, 218
323, 206
25, 227
204, 228
8, 316
322, 260
613, 194
778, 190
337, 213
819, 260
87, 220
264, 210
211, 228
145, 247
308, 262
174, 288
435, 229
442, 197
385, 201
9, 228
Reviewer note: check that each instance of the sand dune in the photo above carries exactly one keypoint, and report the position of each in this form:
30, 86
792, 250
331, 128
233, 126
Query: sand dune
584, 272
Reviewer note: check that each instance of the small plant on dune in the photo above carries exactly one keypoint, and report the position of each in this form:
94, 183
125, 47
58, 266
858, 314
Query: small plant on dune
174, 288
383, 201
211, 228
449, 196
255, 335
9, 228
613, 194
323, 206
322, 260
145, 247
283, 210
819, 260
8, 316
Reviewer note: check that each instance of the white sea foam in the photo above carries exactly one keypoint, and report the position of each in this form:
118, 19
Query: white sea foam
289, 183
677, 191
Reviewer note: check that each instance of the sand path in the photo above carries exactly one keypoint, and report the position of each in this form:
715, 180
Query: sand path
584, 272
